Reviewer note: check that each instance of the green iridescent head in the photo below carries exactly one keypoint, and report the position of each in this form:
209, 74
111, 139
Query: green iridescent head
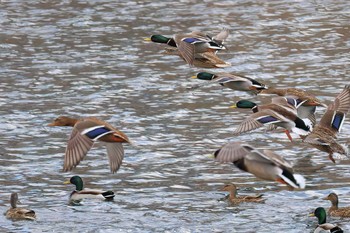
77, 181
163, 40
245, 104
320, 213
205, 76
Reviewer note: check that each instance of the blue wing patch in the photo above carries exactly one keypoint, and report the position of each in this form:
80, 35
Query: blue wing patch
337, 120
267, 119
291, 101
191, 40
97, 132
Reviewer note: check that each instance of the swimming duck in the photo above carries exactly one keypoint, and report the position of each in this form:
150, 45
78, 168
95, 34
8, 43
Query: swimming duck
202, 60
193, 43
17, 213
85, 132
323, 136
232, 81
234, 199
81, 193
334, 210
321, 215
281, 112
266, 165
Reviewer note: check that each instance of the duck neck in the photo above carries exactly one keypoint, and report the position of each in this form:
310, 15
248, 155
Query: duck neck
71, 122
334, 204
271, 90
14, 199
233, 193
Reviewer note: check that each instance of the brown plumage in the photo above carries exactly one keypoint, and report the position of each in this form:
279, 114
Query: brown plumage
202, 60
17, 213
334, 210
234, 199
85, 132
323, 136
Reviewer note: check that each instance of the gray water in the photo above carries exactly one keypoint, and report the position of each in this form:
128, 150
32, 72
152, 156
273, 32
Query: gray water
89, 59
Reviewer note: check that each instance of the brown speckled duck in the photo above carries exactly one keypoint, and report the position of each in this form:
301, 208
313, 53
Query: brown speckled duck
84, 134
323, 136
334, 210
234, 199
17, 213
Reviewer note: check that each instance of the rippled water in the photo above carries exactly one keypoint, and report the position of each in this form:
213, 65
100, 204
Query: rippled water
89, 59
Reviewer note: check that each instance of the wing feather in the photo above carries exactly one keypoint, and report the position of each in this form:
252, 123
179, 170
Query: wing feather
115, 153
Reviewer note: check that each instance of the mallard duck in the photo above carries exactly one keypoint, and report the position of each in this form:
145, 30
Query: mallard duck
303, 112
311, 100
321, 215
192, 43
323, 136
232, 81
266, 165
334, 210
80, 193
202, 60
17, 213
234, 199
279, 112
85, 132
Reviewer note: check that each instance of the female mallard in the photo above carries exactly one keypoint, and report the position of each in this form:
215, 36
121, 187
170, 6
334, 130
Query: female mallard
265, 165
193, 43
323, 136
232, 81
18, 213
234, 199
85, 132
334, 210
281, 112
321, 215
311, 100
80, 193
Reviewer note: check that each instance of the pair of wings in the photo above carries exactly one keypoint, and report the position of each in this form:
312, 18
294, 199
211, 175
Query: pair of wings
234, 151
186, 43
80, 143
334, 116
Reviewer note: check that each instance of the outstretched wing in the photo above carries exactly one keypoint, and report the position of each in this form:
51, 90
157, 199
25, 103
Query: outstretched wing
232, 152
115, 153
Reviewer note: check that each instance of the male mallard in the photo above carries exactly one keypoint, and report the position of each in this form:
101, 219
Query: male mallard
265, 165
334, 210
311, 100
303, 112
232, 81
321, 215
234, 199
85, 132
323, 136
80, 193
280, 112
18, 213
193, 43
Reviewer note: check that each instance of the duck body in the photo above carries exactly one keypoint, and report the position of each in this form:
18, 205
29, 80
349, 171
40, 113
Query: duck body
323, 136
280, 113
84, 134
16, 213
82, 193
232, 81
234, 199
334, 210
264, 164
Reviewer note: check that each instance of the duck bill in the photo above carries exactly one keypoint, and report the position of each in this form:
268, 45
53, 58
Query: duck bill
194, 76
311, 215
147, 39
325, 198
51, 124
66, 182
233, 106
